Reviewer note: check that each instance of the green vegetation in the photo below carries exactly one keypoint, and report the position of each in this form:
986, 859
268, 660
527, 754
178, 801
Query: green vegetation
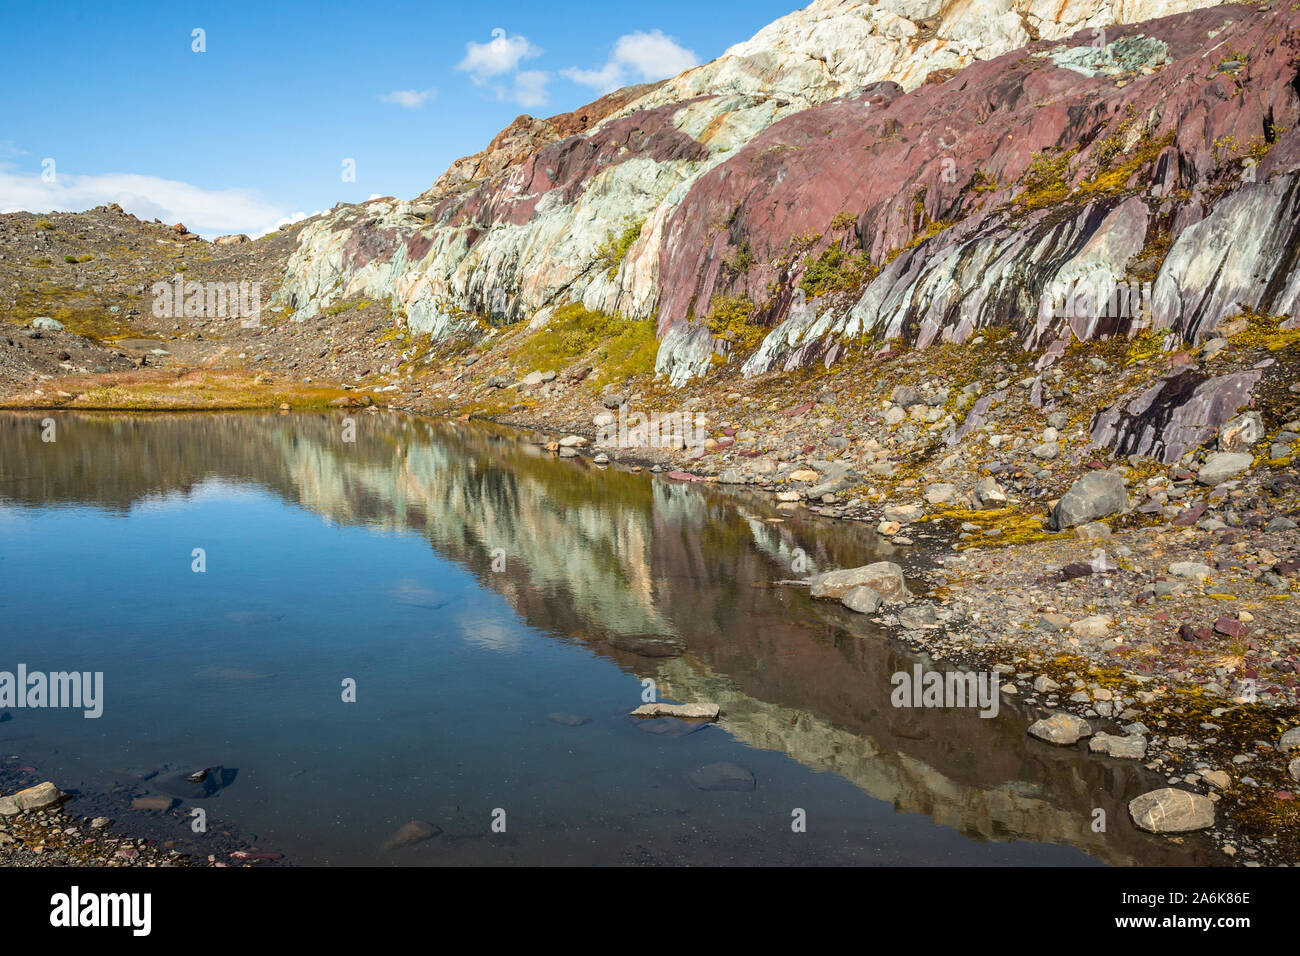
1113, 178
44, 224
1145, 346
837, 271
1263, 331
614, 251
1046, 181
983, 182
742, 261
621, 347
730, 319
338, 308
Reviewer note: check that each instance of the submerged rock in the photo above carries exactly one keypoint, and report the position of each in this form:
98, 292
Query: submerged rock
181, 783
568, 720
723, 776
417, 831
154, 802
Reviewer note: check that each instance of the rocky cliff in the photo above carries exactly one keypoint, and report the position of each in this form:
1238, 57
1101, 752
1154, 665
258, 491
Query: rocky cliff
858, 172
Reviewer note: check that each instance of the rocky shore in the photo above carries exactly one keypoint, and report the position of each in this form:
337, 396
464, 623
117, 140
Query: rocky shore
40, 825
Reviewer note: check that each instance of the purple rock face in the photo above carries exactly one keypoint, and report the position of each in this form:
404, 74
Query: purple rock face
1174, 416
948, 182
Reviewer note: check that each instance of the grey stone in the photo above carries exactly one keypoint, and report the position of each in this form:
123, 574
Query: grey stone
1132, 748
1223, 466
916, 618
1095, 495
862, 599
1061, 729
989, 494
1190, 569
1241, 432
940, 493
38, 797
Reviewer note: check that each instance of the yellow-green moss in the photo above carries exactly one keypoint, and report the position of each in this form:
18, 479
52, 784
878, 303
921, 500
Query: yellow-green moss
837, 271
618, 347
730, 320
614, 251
1046, 181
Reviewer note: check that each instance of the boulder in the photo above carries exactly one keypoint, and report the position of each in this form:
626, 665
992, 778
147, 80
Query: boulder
33, 798
1098, 494
883, 577
1171, 811
1223, 466
989, 494
1061, 729
1241, 432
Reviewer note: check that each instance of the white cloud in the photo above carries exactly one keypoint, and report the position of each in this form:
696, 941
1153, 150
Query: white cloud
653, 55
411, 99
208, 212
492, 63
530, 87
502, 54
637, 56
608, 77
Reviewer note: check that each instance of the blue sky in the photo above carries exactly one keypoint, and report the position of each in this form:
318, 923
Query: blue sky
257, 127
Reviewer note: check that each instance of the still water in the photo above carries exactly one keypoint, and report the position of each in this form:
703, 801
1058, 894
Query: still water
497, 612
